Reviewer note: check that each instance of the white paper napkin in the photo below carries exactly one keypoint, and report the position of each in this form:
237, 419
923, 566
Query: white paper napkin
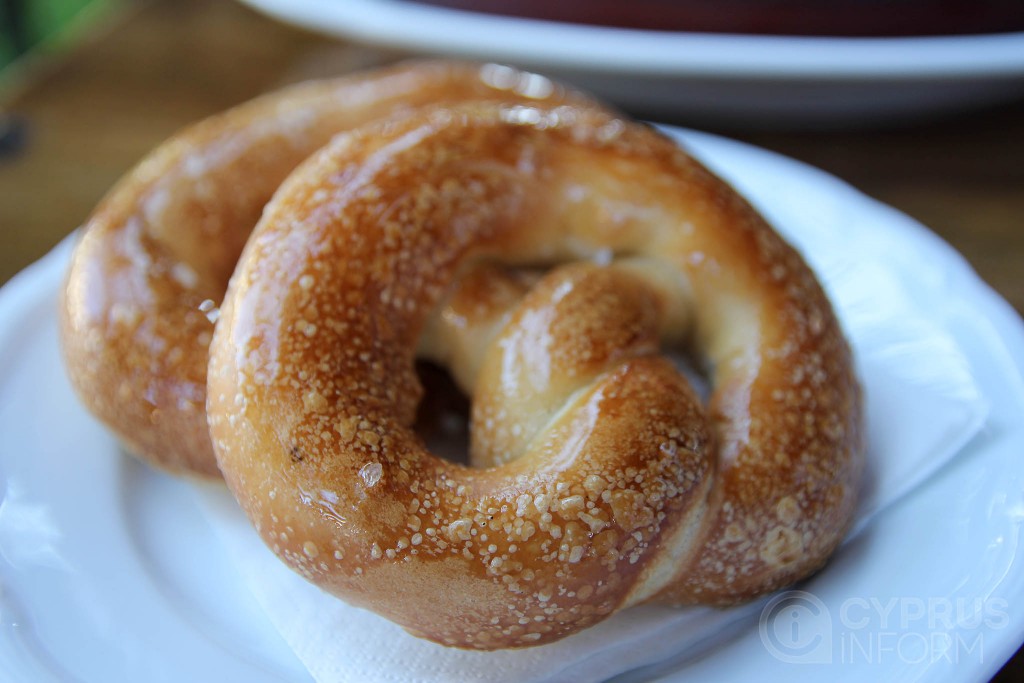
922, 408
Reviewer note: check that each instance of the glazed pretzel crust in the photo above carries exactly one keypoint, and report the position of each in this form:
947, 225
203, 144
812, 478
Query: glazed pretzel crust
154, 259
545, 254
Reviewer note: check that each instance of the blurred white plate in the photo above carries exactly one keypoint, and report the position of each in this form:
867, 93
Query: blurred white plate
109, 572
742, 79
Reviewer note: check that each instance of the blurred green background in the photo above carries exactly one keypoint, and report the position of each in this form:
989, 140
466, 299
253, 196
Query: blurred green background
27, 26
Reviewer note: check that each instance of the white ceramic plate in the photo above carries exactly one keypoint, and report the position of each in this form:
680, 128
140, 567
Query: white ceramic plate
753, 80
108, 571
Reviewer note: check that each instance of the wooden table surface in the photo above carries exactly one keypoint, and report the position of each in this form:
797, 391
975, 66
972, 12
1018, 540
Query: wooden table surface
87, 116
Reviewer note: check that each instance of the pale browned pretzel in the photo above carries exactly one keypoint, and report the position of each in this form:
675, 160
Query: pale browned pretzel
154, 259
546, 254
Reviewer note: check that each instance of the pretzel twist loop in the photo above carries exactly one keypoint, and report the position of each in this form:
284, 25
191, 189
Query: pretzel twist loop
148, 275
601, 479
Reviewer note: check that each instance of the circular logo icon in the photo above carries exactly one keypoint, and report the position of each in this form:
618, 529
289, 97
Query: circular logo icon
796, 628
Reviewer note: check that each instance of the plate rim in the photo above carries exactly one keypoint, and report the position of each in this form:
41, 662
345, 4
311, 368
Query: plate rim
398, 24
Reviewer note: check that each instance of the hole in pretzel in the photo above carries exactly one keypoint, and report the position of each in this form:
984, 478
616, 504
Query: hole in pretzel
442, 419
695, 371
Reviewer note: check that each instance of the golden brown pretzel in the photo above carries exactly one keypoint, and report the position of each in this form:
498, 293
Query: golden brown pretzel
602, 480
154, 259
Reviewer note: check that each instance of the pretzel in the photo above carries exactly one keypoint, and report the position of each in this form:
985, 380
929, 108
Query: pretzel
546, 255
153, 261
